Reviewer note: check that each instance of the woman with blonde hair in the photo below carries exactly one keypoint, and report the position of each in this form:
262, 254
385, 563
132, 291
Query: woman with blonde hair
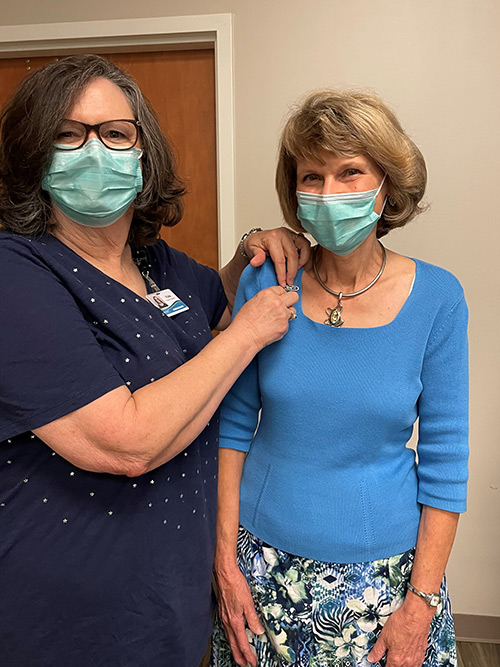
344, 532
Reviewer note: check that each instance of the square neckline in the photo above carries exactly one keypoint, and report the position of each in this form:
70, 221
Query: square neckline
399, 315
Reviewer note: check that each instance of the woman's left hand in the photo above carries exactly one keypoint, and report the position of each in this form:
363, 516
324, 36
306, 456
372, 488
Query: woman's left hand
288, 250
404, 637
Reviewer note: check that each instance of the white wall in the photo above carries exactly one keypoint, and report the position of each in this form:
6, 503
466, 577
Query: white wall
437, 64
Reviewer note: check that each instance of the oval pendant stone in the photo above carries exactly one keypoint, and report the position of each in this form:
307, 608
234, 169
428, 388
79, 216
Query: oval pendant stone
334, 317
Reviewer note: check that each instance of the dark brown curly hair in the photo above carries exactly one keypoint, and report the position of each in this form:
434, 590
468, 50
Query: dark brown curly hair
28, 126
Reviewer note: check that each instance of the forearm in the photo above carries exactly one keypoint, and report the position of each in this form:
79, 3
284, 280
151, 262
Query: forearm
435, 538
124, 433
436, 535
236, 605
129, 434
231, 463
206, 379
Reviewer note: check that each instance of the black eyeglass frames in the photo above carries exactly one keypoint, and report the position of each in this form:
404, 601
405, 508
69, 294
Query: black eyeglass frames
118, 135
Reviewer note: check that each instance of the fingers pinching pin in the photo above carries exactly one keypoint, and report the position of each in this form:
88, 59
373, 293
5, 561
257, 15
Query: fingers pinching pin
293, 314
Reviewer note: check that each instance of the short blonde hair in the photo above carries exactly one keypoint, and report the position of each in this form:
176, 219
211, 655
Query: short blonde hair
348, 124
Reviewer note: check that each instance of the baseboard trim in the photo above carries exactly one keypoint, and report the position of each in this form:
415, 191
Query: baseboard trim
476, 628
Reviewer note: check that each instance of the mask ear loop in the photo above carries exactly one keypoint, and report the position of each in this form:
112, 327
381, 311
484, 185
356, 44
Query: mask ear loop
383, 206
385, 198
380, 186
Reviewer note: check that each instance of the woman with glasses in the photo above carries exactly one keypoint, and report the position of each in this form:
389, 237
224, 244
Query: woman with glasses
110, 380
332, 535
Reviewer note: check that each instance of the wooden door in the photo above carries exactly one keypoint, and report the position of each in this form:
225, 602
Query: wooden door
181, 87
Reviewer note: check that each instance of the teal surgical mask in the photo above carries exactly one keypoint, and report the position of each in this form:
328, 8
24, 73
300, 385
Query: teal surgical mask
339, 222
94, 185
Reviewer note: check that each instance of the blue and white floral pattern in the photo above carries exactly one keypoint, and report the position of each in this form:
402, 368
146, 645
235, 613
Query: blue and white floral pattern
318, 614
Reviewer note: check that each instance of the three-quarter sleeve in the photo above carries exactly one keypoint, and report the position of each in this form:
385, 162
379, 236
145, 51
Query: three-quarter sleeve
443, 413
51, 362
240, 409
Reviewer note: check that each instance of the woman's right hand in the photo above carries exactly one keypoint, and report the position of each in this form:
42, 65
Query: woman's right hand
235, 607
264, 318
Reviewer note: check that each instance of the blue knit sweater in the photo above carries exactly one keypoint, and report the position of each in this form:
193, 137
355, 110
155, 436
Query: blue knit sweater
328, 475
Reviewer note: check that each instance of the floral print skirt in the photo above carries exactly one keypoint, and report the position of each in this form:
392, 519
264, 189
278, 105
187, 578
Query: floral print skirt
318, 614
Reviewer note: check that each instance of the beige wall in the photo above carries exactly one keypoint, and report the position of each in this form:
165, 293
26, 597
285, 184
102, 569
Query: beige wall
437, 64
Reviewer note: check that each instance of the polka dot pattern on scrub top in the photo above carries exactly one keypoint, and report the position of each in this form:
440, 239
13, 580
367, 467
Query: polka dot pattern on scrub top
90, 543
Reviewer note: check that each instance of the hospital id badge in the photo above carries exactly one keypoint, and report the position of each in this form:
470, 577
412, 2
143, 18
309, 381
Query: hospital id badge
167, 302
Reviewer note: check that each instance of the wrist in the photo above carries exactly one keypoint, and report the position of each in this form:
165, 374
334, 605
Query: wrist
246, 337
246, 345
431, 599
415, 606
225, 563
243, 240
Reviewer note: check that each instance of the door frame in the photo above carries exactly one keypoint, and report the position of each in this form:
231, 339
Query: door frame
153, 34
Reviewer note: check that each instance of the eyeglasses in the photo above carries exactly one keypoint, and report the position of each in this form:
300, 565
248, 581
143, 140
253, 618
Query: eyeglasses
118, 135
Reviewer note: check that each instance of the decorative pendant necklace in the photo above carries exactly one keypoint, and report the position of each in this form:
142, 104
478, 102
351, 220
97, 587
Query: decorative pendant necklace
334, 318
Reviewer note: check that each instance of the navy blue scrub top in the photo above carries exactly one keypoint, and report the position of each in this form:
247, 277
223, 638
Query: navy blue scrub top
99, 569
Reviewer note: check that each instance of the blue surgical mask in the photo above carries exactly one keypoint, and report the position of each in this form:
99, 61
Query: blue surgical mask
339, 222
94, 185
